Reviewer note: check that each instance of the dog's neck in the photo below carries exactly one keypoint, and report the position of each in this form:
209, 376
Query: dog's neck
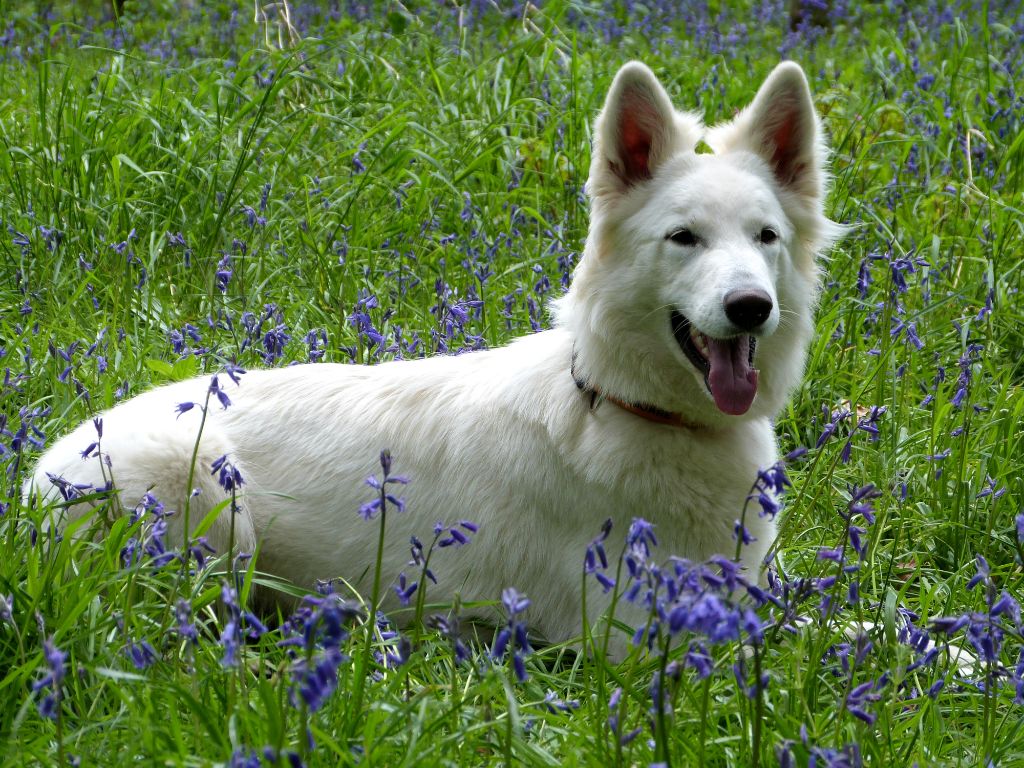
644, 410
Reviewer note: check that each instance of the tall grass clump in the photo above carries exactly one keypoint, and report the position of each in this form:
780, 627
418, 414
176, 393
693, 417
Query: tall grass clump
186, 190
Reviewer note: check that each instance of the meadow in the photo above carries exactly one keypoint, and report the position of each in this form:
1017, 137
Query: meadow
186, 187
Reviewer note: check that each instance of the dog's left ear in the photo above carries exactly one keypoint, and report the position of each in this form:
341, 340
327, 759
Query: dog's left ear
781, 126
637, 130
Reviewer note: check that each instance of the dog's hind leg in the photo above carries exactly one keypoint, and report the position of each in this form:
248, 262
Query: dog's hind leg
162, 460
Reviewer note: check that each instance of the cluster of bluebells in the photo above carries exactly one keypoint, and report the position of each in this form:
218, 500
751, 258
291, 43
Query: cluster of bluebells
267, 333
986, 630
151, 541
315, 636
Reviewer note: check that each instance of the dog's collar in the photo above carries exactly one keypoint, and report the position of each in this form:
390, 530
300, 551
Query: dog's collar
644, 410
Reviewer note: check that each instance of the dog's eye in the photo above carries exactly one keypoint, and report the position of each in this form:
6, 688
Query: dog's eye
768, 236
683, 237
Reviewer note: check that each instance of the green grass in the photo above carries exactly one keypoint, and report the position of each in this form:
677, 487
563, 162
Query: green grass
408, 155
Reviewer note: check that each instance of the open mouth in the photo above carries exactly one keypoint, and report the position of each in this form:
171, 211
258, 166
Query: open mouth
727, 364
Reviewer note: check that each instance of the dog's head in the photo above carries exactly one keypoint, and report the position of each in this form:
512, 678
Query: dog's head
698, 284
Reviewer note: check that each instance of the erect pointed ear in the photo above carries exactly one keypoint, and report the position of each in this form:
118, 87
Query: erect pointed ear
781, 126
637, 130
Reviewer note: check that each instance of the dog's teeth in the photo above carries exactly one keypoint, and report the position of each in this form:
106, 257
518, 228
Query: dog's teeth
700, 341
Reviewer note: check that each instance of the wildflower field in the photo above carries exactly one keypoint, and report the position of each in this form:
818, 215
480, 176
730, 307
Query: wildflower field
191, 189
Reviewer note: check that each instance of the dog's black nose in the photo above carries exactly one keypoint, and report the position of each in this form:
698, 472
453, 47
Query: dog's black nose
747, 309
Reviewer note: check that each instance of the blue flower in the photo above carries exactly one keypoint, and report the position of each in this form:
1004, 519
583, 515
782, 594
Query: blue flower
555, 704
983, 573
182, 408
514, 633
449, 628
183, 621
7, 609
141, 655
404, 590
219, 393
56, 670
224, 273
318, 628
370, 509
229, 477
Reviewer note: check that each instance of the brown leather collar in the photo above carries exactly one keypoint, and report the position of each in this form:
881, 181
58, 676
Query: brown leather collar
644, 410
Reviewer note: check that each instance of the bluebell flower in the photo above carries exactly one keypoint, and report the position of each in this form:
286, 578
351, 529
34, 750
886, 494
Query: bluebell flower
982, 574
370, 509
224, 273
7, 609
514, 633
991, 490
199, 548
318, 627
858, 699
595, 560
449, 629
56, 670
555, 704
274, 341
860, 502
219, 393
231, 633
183, 624
357, 163
833, 421
405, 590
142, 655
252, 217
229, 477
182, 408
640, 536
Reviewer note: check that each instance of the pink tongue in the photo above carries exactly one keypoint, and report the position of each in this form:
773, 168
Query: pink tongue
732, 381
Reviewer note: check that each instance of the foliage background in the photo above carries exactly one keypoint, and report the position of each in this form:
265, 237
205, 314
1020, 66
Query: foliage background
182, 186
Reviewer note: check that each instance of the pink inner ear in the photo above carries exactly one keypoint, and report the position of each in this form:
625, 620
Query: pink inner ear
636, 148
785, 146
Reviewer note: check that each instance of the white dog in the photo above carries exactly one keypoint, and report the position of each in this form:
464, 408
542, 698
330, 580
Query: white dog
684, 332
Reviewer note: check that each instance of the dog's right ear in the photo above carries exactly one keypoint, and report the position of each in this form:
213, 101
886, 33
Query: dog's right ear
637, 130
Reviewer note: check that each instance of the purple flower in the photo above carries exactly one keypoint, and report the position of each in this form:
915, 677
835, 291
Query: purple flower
56, 669
183, 621
184, 408
858, 699
370, 509
141, 655
231, 634
455, 535
318, 628
224, 273
229, 478
219, 393
983, 573
834, 420
357, 163
404, 590
449, 628
7, 609
640, 536
514, 633
555, 704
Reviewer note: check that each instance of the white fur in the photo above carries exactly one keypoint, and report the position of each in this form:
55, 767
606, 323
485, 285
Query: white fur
504, 437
